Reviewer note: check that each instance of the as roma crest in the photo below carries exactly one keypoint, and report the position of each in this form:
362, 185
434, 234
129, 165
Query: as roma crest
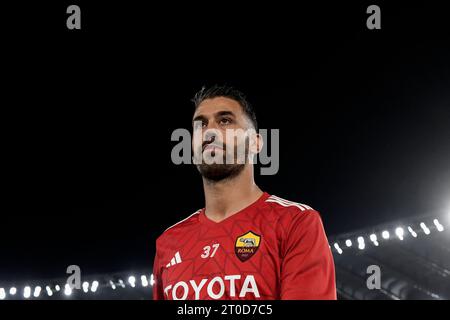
246, 245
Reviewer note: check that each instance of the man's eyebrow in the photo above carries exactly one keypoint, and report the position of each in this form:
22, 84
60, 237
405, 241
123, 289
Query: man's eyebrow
225, 113
198, 118
218, 114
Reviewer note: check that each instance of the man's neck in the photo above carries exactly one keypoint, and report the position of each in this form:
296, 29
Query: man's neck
227, 197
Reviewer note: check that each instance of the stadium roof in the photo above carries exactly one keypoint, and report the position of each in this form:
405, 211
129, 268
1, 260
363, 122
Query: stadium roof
413, 256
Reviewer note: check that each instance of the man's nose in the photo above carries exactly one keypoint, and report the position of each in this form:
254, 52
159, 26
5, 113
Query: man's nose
210, 136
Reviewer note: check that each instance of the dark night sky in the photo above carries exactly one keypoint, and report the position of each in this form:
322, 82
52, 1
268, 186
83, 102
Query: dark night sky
364, 121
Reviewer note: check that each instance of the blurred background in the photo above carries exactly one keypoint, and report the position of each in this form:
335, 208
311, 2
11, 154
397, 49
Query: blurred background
87, 116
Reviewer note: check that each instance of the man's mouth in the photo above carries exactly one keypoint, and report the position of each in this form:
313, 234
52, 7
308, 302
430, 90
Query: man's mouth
212, 147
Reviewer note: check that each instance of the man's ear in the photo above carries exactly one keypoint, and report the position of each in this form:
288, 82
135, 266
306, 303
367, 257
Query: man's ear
256, 142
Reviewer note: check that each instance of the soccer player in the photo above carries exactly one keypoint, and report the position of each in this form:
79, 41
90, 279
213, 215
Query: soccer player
245, 243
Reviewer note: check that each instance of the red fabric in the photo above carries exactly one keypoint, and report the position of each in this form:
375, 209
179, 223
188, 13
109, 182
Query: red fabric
291, 261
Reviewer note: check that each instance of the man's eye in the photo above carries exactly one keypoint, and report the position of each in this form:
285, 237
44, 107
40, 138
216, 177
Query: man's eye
225, 121
204, 124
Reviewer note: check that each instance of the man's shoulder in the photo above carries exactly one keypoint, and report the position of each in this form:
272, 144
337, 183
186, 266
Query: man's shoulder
181, 225
289, 209
296, 219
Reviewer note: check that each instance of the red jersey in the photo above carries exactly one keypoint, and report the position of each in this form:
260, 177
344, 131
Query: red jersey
272, 249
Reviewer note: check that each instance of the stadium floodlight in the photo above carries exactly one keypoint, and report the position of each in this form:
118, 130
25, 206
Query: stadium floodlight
57, 288
37, 291
152, 280
348, 243
27, 292
94, 286
438, 225
413, 233
385, 234
374, 239
399, 232
144, 280
132, 281
2, 294
425, 228
113, 286
85, 286
67, 290
338, 249
12, 291
49, 291
361, 244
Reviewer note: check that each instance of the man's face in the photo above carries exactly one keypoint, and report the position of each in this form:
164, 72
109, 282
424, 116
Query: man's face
221, 138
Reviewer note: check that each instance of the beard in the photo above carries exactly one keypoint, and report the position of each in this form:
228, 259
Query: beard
216, 172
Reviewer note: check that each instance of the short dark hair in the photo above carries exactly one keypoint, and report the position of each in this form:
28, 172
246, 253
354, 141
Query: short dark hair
227, 92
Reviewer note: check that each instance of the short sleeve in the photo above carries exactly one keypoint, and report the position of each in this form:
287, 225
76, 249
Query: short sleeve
307, 267
158, 293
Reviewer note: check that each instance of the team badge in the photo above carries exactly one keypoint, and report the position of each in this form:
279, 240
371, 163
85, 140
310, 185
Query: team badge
246, 245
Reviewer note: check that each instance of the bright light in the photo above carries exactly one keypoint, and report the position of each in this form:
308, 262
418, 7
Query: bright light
12, 291
348, 243
113, 286
26, 292
94, 286
37, 291
132, 281
57, 287
338, 249
374, 239
399, 232
67, 290
413, 233
152, 280
2, 294
385, 234
361, 244
438, 225
144, 280
49, 291
85, 286
425, 228
121, 283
